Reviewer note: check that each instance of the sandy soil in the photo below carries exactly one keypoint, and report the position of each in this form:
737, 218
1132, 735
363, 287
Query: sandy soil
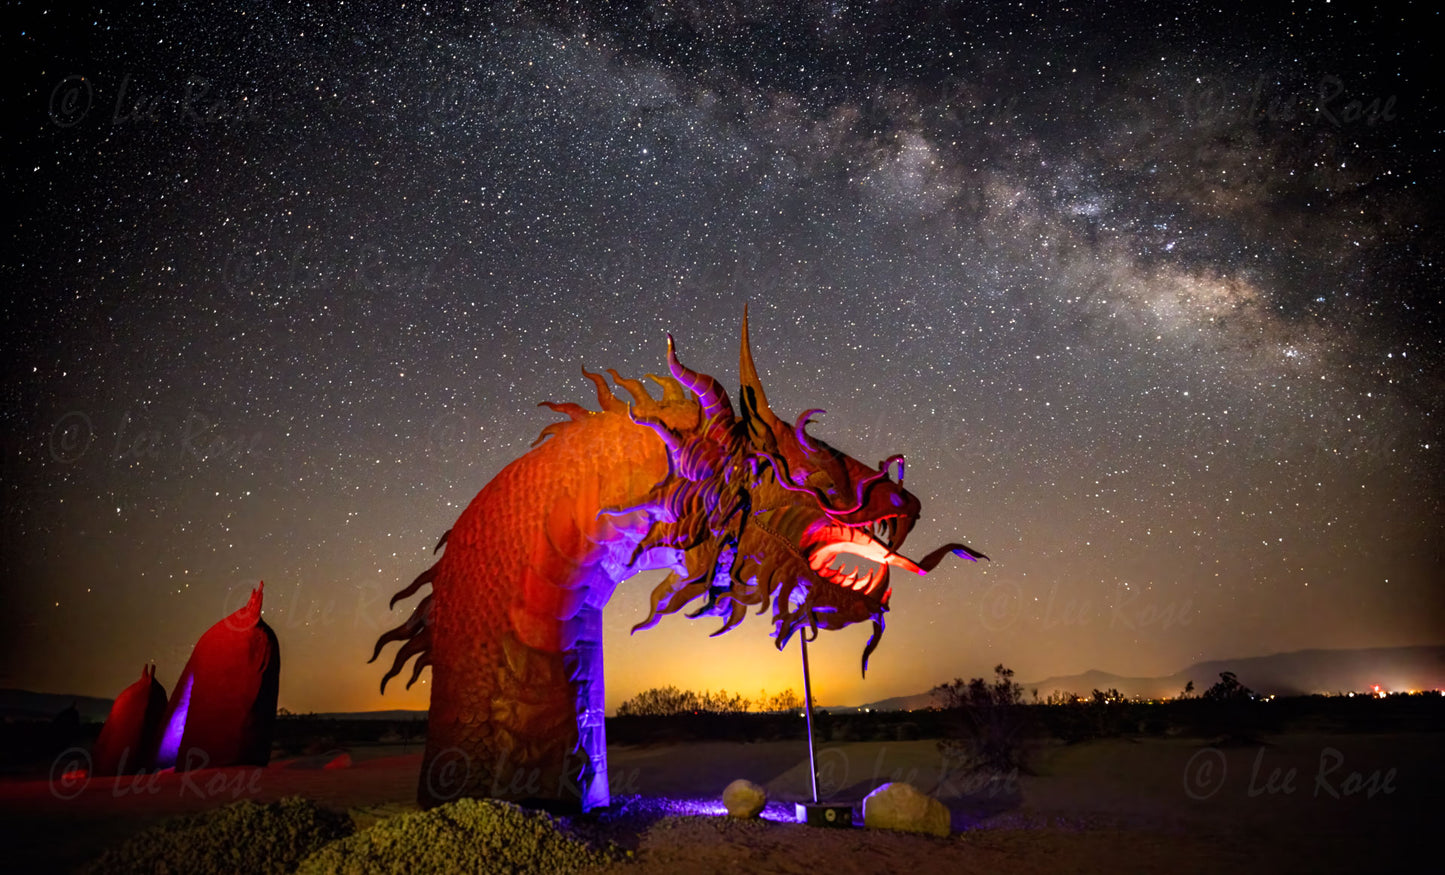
1356, 803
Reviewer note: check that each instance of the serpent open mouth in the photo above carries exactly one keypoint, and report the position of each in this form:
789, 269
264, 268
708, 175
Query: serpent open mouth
856, 558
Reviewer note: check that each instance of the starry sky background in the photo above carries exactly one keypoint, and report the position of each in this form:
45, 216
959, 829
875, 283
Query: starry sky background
1149, 297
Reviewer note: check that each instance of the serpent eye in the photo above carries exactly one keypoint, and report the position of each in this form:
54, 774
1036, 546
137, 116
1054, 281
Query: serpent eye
822, 481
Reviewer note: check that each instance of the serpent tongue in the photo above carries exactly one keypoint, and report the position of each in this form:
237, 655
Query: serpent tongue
930, 562
864, 547
839, 539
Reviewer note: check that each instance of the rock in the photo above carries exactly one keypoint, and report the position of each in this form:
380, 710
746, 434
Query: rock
331, 759
900, 806
744, 798
340, 761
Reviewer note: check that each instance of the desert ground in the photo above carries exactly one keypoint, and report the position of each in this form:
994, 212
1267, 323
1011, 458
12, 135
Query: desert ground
1293, 802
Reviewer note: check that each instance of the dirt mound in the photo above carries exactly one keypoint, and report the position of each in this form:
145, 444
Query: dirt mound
241, 837
469, 835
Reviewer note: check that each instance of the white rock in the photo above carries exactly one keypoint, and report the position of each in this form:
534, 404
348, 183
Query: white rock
744, 798
900, 806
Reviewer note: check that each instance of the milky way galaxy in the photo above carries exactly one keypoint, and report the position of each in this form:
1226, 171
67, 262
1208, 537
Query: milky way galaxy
1149, 297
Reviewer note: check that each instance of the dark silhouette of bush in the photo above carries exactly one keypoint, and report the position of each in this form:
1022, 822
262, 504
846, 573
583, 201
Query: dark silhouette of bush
990, 722
662, 701
1229, 709
659, 701
1102, 714
1229, 689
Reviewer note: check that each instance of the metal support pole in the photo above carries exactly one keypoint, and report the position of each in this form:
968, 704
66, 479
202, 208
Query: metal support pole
808, 710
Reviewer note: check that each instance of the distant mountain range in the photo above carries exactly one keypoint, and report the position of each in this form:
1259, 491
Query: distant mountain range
1283, 674
397, 714
25, 705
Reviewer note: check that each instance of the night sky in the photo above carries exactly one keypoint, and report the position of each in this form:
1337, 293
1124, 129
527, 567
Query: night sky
1149, 297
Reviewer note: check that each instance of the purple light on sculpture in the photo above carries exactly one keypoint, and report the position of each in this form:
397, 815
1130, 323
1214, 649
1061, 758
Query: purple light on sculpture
224, 703
727, 500
171, 740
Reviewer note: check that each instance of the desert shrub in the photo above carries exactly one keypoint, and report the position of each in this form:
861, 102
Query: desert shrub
1101, 714
469, 835
1229, 689
1228, 708
1071, 718
669, 700
659, 701
787, 700
241, 837
664, 701
723, 703
989, 730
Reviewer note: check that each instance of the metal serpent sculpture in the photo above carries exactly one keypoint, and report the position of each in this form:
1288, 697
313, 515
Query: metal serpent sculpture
746, 510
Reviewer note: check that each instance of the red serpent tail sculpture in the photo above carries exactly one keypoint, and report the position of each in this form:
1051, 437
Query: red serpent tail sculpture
744, 508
